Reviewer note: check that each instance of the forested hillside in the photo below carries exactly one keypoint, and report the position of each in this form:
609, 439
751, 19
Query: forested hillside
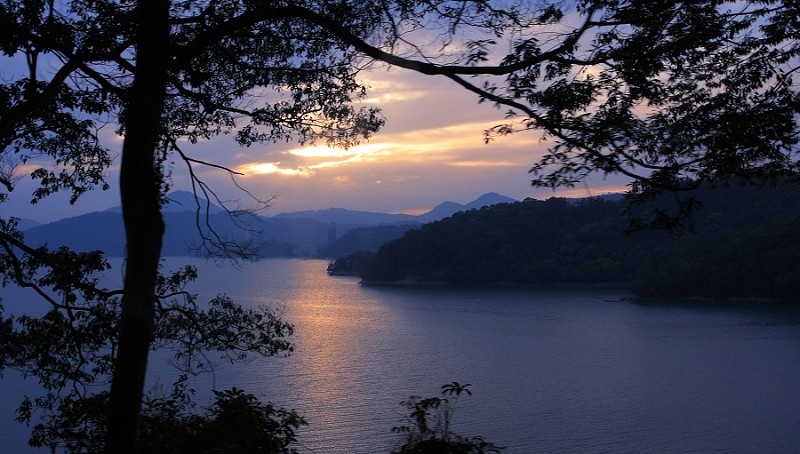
742, 243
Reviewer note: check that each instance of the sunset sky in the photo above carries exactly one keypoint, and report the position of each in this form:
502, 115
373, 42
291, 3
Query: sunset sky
430, 151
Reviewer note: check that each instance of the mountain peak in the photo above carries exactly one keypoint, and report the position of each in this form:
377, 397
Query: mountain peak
447, 209
490, 198
178, 201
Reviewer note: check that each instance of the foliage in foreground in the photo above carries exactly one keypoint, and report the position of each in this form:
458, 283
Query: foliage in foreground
236, 423
70, 352
428, 426
239, 423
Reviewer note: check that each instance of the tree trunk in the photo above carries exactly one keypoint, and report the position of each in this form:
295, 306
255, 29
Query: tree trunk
140, 190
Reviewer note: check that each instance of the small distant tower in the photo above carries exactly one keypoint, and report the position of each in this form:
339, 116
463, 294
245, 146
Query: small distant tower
331, 233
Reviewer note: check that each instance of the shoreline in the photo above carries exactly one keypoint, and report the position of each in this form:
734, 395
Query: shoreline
631, 297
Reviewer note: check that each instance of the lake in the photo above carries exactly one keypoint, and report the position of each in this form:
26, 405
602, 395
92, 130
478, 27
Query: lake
551, 371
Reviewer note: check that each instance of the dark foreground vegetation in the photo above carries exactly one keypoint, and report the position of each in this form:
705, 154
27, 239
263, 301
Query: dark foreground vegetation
741, 244
239, 423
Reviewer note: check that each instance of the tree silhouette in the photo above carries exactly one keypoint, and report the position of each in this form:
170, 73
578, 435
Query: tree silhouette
658, 91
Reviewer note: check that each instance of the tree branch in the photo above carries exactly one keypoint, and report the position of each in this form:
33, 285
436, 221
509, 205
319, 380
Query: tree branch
250, 18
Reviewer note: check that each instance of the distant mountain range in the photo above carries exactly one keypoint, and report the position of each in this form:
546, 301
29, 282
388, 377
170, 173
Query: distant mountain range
303, 233
441, 211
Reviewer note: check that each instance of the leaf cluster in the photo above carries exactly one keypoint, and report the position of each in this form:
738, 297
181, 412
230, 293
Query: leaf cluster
236, 422
428, 428
660, 91
70, 350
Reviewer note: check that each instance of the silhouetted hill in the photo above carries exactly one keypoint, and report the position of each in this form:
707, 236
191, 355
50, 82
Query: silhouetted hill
24, 224
442, 211
446, 209
488, 199
742, 244
87, 232
530, 242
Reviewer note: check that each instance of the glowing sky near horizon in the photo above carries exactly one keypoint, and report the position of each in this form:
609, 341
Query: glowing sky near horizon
431, 150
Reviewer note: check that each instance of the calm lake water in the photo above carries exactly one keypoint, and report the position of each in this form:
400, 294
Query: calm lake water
550, 371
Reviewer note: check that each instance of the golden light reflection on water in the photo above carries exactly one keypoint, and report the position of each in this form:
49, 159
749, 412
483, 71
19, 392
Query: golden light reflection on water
329, 378
334, 325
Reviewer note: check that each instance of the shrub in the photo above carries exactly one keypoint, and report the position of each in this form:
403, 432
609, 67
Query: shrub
428, 426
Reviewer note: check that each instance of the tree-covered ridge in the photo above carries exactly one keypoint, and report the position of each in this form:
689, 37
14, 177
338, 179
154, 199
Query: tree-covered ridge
525, 242
741, 244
